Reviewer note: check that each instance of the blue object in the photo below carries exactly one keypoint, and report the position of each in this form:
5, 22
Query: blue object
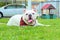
54, 16
44, 16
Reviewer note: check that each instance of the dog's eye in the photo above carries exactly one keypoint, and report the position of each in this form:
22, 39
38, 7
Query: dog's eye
26, 14
33, 13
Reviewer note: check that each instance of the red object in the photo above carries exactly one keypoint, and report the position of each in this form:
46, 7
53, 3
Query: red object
48, 6
22, 23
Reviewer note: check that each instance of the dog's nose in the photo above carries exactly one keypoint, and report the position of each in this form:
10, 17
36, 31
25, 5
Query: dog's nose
30, 15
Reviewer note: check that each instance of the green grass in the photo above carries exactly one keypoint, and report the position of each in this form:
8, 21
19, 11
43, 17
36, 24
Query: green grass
29, 32
4, 20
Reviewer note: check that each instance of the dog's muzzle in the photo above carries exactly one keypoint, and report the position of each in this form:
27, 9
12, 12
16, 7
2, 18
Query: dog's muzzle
30, 18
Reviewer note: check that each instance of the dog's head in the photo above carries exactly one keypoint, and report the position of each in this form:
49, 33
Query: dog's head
30, 17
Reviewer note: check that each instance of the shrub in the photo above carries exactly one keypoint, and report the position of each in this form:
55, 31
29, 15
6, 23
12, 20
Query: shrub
2, 4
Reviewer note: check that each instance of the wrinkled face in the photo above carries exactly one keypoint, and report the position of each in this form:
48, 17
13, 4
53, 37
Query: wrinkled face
30, 16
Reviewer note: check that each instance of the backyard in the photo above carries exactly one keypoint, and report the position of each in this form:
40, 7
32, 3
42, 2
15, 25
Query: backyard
29, 32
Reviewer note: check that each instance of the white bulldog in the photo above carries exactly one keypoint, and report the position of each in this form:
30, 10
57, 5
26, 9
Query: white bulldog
28, 18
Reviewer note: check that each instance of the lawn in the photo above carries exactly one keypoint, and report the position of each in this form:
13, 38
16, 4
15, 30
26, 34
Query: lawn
29, 32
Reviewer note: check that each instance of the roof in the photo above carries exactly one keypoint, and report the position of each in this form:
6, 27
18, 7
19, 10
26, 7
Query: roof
48, 6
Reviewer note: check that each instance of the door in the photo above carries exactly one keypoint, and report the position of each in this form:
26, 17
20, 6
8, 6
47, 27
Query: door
9, 10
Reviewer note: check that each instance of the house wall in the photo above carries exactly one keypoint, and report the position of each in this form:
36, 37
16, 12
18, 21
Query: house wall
34, 6
23, 0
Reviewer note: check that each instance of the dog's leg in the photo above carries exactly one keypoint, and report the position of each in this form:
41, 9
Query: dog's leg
39, 24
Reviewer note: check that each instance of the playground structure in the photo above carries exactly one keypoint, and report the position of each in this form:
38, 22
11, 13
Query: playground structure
48, 11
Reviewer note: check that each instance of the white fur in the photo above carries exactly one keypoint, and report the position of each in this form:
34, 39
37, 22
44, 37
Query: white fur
14, 21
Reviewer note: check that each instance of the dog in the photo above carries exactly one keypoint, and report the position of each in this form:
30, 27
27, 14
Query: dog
28, 18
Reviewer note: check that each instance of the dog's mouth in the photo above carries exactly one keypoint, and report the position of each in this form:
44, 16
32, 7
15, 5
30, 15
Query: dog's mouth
30, 20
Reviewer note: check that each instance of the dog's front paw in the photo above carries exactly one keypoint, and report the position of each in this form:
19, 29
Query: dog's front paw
47, 25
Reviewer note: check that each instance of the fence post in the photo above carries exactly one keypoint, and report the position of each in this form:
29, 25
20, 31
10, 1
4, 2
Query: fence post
29, 4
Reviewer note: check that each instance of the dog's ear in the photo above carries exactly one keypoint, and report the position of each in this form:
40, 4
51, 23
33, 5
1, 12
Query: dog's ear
24, 10
34, 10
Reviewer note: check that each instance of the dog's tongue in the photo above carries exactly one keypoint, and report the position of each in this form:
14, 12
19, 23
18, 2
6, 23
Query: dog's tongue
30, 21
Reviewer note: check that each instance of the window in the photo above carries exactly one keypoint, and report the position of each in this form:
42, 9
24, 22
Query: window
10, 7
14, 6
20, 6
